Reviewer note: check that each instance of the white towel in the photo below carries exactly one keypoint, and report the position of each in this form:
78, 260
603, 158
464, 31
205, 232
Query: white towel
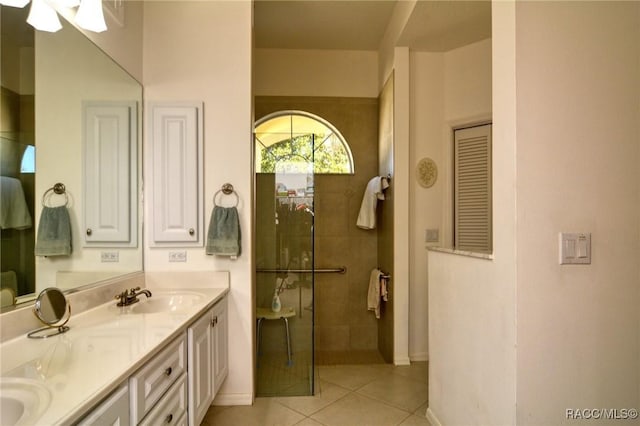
373, 297
373, 193
13, 206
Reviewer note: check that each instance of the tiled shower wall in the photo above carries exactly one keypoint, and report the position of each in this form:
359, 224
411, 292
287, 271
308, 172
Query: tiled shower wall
342, 321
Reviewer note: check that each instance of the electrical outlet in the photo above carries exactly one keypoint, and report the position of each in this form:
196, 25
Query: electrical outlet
109, 256
432, 236
178, 256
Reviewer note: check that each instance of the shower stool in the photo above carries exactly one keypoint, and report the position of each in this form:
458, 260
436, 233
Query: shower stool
284, 314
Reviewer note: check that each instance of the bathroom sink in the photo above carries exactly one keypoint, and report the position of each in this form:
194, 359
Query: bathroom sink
172, 301
22, 401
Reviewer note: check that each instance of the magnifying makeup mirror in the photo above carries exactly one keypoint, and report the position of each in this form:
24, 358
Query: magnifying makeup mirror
50, 308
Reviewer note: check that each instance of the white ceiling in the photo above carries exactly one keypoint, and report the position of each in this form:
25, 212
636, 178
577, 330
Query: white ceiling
361, 24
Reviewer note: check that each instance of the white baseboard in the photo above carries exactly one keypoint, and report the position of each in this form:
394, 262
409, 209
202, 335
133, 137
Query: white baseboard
233, 399
402, 361
431, 417
419, 357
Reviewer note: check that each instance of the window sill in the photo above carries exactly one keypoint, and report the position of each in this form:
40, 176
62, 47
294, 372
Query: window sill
486, 256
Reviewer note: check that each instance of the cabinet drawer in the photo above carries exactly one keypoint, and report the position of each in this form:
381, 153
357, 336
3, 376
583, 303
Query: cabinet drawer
149, 383
112, 411
172, 407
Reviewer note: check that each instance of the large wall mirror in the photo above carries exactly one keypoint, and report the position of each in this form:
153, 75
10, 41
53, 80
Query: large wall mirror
69, 115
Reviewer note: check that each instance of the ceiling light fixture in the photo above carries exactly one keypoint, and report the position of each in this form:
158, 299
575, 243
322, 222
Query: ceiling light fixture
14, 3
43, 15
90, 16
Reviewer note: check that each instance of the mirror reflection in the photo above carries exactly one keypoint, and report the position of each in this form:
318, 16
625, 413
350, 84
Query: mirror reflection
51, 306
70, 115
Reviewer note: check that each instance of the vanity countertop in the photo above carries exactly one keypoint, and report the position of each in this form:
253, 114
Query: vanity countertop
103, 347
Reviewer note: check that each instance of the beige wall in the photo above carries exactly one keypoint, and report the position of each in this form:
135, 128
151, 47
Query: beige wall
472, 332
577, 108
428, 138
578, 123
447, 89
201, 51
401, 14
69, 71
121, 41
291, 72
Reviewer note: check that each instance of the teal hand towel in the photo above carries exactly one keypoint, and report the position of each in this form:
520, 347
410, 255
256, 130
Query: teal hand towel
223, 237
54, 232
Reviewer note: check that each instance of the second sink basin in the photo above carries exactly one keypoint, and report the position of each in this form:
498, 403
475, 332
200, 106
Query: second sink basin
22, 401
167, 301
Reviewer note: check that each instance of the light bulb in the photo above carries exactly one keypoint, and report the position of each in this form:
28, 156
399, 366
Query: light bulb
43, 17
90, 16
14, 3
65, 3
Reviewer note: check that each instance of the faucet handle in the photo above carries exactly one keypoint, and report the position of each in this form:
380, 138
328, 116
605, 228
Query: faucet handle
134, 289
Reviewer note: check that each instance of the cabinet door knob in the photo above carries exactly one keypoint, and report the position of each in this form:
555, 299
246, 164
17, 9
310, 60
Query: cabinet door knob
192, 231
168, 371
89, 231
169, 418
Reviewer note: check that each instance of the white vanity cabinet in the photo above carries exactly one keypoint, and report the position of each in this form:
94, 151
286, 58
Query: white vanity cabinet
172, 407
173, 383
149, 384
112, 411
208, 360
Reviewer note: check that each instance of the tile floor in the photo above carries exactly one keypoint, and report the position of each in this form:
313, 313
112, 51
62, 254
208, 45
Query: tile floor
346, 395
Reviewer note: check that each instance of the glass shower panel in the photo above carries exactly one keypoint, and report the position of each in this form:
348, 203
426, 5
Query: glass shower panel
284, 259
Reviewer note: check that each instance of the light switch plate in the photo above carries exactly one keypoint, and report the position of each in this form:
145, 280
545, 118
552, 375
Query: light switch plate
432, 236
575, 248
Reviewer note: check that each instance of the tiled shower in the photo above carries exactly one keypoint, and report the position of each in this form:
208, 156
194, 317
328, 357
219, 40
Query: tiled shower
331, 309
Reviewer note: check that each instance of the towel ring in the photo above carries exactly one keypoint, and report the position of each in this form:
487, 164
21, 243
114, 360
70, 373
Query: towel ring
227, 189
59, 189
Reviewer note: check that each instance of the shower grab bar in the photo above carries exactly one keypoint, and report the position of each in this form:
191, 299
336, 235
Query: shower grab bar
341, 270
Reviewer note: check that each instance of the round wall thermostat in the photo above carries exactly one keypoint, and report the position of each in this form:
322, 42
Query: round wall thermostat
426, 172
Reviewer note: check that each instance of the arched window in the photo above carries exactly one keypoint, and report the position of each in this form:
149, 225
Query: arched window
298, 137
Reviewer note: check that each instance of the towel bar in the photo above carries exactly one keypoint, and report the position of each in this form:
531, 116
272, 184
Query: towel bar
227, 189
59, 189
340, 270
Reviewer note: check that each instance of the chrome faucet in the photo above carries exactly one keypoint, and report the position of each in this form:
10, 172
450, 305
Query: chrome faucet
129, 297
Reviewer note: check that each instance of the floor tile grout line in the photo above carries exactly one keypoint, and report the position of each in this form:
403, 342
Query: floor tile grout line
313, 396
403, 420
310, 416
382, 401
413, 376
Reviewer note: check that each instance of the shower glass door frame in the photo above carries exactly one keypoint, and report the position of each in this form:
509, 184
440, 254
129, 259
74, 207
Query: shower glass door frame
285, 265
